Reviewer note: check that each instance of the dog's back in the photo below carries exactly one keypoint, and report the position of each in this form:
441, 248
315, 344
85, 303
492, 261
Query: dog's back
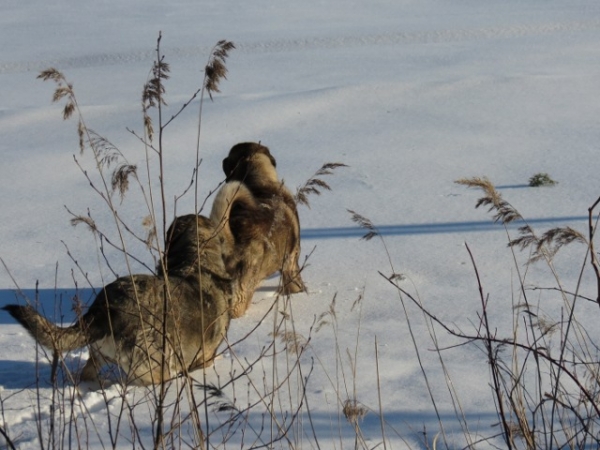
193, 240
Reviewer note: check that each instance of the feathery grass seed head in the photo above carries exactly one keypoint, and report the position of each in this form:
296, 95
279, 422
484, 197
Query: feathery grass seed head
505, 213
314, 184
120, 178
364, 223
330, 313
51, 74
85, 220
294, 343
81, 135
64, 89
153, 93
216, 69
546, 246
353, 411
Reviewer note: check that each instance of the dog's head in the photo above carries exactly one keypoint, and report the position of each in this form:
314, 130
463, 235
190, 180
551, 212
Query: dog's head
248, 159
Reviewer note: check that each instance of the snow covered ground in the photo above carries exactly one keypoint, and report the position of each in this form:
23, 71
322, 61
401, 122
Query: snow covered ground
411, 95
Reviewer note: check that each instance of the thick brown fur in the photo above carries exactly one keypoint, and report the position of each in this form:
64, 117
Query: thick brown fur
124, 325
260, 226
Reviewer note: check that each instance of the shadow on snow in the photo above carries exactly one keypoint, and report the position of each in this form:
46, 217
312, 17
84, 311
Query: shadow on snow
430, 228
57, 304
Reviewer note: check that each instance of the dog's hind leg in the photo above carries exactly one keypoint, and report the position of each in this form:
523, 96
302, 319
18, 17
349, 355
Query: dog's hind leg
291, 280
91, 370
242, 298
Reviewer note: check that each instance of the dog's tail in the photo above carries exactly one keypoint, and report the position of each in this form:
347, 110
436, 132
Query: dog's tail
233, 199
45, 332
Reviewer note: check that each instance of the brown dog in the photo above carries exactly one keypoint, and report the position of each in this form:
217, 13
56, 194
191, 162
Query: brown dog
124, 325
260, 226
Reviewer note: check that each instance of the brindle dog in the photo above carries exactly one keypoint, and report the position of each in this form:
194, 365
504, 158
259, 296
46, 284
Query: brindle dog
127, 323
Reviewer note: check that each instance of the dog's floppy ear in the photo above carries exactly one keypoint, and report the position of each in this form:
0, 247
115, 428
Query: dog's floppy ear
228, 167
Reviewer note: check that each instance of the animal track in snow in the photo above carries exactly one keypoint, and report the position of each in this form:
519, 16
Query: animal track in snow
288, 45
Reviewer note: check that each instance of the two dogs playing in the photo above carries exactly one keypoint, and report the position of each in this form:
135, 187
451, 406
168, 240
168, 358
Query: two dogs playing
156, 327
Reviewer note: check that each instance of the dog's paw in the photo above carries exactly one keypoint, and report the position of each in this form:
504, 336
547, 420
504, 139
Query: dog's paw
293, 287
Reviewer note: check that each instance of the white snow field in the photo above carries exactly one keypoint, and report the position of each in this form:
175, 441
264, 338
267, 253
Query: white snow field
411, 95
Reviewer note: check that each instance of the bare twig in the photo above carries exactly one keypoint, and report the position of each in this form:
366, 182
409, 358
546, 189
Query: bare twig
593, 256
